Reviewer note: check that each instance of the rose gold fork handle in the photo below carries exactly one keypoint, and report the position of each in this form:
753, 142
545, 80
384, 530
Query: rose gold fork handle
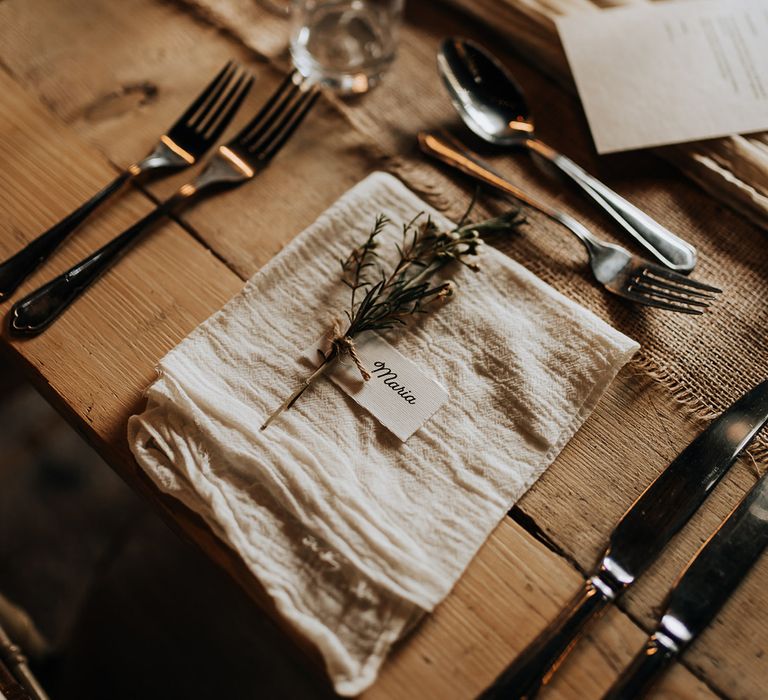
451, 152
18, 267
445, 149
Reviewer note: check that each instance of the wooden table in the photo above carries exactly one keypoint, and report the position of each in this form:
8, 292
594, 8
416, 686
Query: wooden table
87, 86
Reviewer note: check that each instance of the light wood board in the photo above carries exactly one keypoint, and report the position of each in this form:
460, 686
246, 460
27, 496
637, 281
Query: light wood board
66, 120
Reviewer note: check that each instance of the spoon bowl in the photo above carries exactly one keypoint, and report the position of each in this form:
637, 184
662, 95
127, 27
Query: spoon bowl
484, 93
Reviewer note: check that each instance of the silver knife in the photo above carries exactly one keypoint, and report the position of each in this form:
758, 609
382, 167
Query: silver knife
644, 530
702, 589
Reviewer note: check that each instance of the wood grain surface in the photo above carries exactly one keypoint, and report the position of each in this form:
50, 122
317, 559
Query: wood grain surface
88, 86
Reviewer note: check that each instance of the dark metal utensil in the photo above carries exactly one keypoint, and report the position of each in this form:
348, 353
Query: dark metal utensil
238, 161
493, 106
702, 589
644, 530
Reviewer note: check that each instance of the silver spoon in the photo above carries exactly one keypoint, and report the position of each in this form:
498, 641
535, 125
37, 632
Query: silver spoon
493, 106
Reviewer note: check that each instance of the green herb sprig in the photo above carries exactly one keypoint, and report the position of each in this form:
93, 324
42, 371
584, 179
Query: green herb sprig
383, 299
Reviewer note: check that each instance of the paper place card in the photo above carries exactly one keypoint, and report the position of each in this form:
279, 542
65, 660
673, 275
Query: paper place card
669, 72
399, 394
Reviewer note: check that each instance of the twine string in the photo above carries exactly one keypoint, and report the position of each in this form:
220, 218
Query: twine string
343, 345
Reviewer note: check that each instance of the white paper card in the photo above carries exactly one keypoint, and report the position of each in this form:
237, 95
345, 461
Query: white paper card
399, 394
669, 72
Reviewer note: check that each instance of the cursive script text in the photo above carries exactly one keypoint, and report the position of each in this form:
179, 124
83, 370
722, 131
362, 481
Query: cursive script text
384, 373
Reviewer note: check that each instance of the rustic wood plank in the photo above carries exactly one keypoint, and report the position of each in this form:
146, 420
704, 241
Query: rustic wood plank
108, 363
112, 360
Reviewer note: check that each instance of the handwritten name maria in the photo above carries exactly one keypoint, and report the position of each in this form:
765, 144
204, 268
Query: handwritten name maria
384, 373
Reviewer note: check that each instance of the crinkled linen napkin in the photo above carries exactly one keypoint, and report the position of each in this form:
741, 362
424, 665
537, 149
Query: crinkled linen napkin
355, 534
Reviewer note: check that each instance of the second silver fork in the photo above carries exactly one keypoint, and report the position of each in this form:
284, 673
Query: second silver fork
234, 163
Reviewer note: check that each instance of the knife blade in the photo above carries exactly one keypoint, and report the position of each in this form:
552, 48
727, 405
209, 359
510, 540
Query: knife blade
701, 591
644, 530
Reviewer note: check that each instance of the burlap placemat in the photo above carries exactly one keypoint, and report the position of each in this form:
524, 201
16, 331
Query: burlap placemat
706, 361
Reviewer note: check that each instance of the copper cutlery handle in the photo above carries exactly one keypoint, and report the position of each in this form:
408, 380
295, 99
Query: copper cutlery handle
642, 673
18, 267
445, 148
535, 666
35, 312
449, 151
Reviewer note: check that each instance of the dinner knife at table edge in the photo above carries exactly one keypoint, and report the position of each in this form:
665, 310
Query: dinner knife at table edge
700, 591
643, 531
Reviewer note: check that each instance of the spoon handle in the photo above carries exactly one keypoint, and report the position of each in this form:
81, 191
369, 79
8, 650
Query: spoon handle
670, 249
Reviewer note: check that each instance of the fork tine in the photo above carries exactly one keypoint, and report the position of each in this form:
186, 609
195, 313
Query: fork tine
289, 125
648, 301
192, 109
208, 104
266, 116
680, 279
653, 291
657, 282
218, 120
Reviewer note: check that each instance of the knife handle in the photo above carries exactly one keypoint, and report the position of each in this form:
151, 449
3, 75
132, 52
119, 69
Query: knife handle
641, 674
536, 665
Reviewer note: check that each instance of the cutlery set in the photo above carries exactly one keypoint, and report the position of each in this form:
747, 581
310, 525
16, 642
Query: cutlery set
493, 106
196, 131
642, 533
614, 267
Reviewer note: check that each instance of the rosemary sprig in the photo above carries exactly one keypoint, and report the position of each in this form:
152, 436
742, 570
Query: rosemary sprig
381, 299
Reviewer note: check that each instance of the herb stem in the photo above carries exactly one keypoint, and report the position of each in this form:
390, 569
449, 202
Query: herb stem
308, 382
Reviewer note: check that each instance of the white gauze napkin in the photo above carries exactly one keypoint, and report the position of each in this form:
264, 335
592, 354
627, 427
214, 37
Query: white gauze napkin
354, 533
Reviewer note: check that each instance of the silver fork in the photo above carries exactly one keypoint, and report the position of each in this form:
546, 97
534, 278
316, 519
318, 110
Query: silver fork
183, 145
619, 271
233, 163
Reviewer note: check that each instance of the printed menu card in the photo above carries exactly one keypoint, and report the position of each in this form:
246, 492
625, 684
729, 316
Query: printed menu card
668, 72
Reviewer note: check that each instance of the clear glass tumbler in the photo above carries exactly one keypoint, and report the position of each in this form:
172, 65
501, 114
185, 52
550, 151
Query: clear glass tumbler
345, 44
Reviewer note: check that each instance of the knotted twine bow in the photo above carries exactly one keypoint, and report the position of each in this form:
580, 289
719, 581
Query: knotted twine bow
342, 345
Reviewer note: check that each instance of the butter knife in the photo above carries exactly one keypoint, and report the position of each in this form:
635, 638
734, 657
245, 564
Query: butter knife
702, 589
643, 531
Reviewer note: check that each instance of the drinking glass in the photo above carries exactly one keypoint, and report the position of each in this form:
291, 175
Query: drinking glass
345, 44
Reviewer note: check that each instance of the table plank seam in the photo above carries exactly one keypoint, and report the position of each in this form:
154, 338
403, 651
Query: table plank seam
188, 227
